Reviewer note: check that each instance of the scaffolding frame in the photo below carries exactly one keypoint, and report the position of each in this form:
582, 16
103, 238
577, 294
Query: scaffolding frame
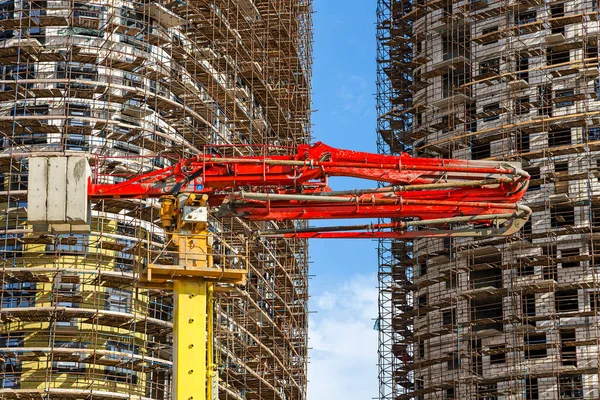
499, 80
136, 86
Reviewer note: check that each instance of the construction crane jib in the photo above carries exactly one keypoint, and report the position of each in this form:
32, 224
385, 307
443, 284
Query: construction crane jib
421, 197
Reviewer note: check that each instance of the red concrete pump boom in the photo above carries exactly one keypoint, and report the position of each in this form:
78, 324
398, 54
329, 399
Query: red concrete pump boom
423, 197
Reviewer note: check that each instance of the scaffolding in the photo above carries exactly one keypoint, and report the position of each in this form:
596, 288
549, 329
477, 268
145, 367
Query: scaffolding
510, 80
136, 86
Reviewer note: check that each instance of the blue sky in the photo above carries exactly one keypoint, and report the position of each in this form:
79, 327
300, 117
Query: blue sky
343, 289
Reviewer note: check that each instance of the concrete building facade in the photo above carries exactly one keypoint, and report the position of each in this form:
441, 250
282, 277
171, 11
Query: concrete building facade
514, 80
135, 86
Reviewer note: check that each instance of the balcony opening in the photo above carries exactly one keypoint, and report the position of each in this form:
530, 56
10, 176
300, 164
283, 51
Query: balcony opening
562, 216
449, 317
592, 134
565, 254
71, 366
564, 98
545, 100
528, 305
17, 294
476, 357
422, 268
456, 43
522, 106
570, 387
486, 278
491, 112
535, 345
454, 361
591, 50
522, 67
480, 150
528, 228
566, 300
497, 354
492, 38
561, 167
557, 11
120, 372
452, 81
525, 17
594, 301
422, 301
452, 281
484, 310
487, 391
419, 386
568, 349
531, 389
555, 57
490, 67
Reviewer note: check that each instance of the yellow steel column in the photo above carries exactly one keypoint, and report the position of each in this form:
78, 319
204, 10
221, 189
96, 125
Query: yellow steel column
211, 371
193, 279
189, 333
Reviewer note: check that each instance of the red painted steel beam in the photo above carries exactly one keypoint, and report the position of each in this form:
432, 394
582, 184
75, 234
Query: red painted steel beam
443, 195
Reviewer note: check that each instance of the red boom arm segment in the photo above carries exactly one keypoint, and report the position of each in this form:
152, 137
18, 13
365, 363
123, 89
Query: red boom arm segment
421, 191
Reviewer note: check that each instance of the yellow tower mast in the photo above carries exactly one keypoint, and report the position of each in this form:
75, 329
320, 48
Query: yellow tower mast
193, 279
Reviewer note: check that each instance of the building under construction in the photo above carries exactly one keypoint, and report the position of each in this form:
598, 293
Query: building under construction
513, 80
136, 86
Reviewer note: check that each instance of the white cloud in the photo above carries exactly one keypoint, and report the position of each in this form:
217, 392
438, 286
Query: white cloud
354, 97
344, 344
326, 301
